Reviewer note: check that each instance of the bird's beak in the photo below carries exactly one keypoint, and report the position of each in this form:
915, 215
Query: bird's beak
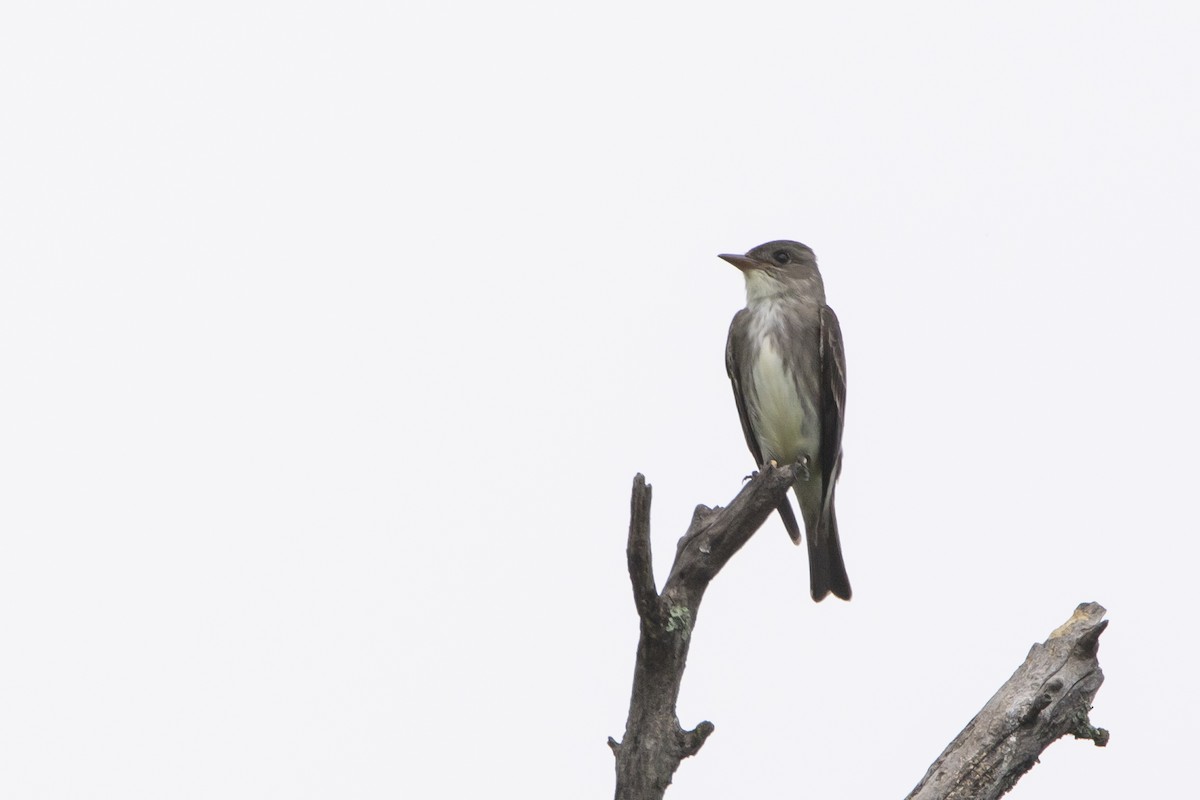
741, 262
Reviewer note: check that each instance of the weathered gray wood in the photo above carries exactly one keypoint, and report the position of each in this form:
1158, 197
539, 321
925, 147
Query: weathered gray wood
1048, 696
654, 743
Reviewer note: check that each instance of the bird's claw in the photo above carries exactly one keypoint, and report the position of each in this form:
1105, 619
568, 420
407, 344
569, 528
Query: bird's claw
802, 471
802, 468
772, 463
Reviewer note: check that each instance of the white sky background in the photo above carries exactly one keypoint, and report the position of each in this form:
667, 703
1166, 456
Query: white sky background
332, 335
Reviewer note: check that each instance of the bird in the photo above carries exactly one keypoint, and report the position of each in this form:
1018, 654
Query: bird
785, 359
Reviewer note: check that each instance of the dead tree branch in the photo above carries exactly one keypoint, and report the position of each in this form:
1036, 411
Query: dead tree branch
1048, 696
654, 743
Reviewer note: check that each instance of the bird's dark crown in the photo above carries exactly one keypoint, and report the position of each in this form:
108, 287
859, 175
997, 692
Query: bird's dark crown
783, 252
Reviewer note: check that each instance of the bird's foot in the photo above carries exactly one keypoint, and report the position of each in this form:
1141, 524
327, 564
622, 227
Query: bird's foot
802, 468
772, 463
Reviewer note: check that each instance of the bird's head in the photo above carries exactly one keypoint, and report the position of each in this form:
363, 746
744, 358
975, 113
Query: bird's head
778, 267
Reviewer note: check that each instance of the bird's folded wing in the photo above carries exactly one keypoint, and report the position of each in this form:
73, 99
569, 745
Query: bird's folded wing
733, 345
833, 400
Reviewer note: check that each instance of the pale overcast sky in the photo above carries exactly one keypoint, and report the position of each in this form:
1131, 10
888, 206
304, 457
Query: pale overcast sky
333, 334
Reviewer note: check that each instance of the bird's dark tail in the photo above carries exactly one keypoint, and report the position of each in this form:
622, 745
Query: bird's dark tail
789, 519
826, 570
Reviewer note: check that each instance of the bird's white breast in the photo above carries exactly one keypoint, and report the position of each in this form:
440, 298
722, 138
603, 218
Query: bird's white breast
787, 426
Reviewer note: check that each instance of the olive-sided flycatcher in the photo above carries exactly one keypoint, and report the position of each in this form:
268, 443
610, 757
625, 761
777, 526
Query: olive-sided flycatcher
785, 359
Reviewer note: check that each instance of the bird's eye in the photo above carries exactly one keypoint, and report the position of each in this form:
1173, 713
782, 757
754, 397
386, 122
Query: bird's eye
781, 256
